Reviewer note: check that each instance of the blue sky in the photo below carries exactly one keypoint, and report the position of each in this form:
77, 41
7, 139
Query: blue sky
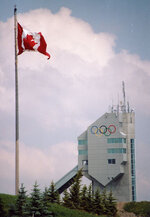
94, 45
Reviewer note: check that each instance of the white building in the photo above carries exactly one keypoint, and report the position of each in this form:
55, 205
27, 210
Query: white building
106, 153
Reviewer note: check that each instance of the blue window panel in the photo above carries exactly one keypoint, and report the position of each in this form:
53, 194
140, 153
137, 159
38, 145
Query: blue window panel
113, 150
116, 150
119, 140
116, 140
124, 150
133, 170
133, 181
82, 142
109, 140
109, 151
83, 152
132, 146
132, 141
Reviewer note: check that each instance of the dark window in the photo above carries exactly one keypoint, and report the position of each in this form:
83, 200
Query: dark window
111, 161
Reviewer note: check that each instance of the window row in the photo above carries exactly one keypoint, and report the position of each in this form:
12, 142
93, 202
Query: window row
82, 142
116, 150
83, 152
109, 141
133, 170
110, 161
116, 140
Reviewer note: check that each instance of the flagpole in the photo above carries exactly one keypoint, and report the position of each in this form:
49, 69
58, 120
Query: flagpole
16, 108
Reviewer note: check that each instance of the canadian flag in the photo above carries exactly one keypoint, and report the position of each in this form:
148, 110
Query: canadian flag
31, 41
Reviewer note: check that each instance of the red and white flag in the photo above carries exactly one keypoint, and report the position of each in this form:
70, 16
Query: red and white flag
31, 41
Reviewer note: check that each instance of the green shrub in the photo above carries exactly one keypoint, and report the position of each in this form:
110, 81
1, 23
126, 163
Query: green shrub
60, 211
138, 208
8, 202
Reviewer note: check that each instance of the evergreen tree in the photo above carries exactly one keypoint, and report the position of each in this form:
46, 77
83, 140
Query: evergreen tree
83, 202
45, 204
66, 199
104, 201
89, 207
75, 191
21, 203
35, 202
98, 205
45, 197
58, 201
111, 205
53, 195
2, 210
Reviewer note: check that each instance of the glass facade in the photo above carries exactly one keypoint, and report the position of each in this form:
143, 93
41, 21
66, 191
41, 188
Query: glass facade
83, 152
82, 142
116, 140
133, 170
116, 150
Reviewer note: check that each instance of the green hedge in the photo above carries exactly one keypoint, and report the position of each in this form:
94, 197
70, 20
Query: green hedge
58, 210
138, 208
8, 201
61, 211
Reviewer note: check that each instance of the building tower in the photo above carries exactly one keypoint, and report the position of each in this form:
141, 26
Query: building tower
106, 153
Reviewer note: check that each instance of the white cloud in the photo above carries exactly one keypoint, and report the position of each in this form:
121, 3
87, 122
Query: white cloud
61, 96
36, 164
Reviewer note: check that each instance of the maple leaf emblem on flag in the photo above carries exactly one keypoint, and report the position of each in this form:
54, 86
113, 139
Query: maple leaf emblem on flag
31, 41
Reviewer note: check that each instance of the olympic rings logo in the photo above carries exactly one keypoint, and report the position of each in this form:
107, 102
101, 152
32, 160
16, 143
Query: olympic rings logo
103, 130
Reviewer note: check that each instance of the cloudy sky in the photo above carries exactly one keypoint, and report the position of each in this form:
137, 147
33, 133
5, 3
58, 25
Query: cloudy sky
94, 46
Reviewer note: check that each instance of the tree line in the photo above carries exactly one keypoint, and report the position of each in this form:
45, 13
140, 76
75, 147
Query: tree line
82, 198
77, 197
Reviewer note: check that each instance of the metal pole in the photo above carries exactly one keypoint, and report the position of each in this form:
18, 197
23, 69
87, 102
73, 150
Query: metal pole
17, 107
124, 96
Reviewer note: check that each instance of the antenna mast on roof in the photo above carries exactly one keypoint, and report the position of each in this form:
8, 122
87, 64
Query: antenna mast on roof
124, 96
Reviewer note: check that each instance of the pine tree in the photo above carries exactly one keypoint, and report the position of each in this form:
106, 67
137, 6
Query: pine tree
45, 197
35, 201
58, 201
45, 204
104, 201
66, 199
75, 191
111, 205
98, 205
89, 207
21, 203
53, 195
83, 202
